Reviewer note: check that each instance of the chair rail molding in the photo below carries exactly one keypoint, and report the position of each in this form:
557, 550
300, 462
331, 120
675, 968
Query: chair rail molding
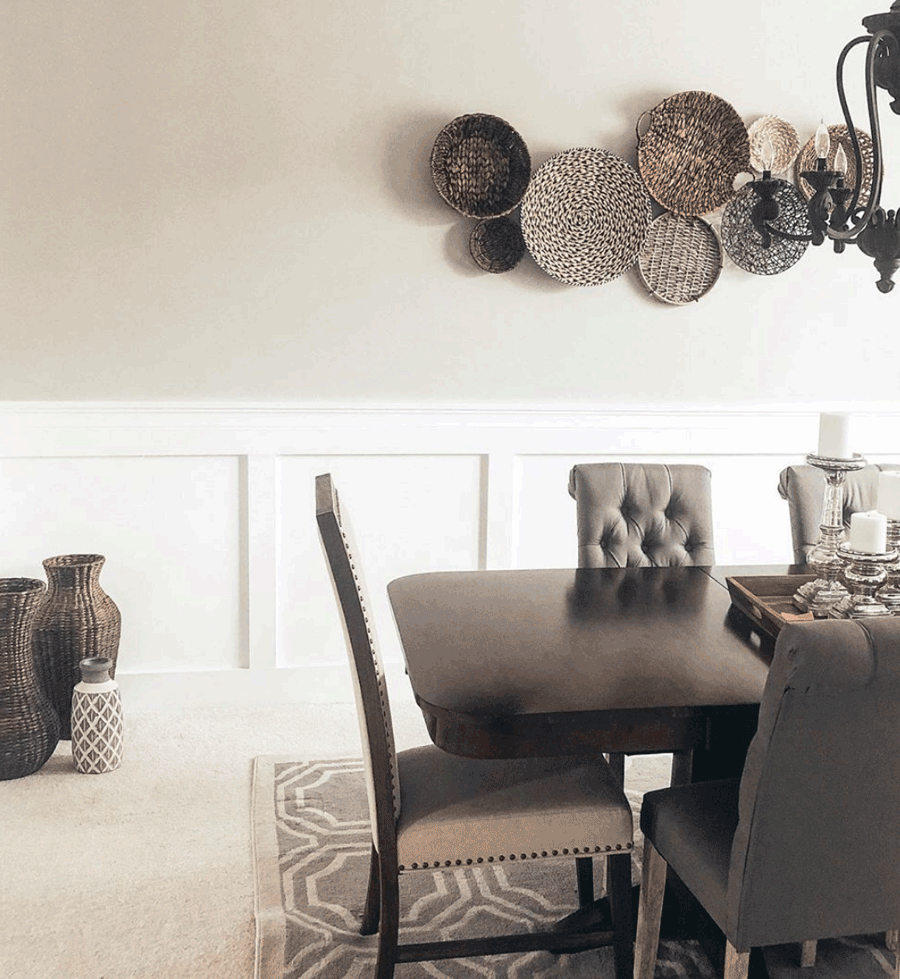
205, 513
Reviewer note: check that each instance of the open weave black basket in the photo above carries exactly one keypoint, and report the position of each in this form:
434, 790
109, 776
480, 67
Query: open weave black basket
481, 165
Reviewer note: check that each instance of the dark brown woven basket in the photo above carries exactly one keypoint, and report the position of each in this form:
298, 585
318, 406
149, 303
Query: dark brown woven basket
681, 259
838, 135
497, 244
29, 726
694, 145
481, 165
743, 243
75, 621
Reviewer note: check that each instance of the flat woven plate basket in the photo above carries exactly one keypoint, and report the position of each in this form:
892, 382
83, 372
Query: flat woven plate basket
783, 137
838, 135
497, 244
480, 165
694, 145
743, 243
585, 216
681, 259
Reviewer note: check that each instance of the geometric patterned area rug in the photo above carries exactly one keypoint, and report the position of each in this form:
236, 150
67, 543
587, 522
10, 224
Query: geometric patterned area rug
311, 855
311, 844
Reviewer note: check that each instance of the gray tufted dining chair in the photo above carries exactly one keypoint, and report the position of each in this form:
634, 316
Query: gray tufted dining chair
805, 845
642, 514
432, 811
803, 487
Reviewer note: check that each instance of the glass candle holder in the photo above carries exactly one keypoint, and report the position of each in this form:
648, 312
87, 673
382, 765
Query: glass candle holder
864, 573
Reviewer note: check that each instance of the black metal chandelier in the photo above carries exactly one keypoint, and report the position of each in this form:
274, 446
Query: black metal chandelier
834, 211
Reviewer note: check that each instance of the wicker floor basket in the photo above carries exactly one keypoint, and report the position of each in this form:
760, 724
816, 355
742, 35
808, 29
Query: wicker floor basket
76, 620
29, 726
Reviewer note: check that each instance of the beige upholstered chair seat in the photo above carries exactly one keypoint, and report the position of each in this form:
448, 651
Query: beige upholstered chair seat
534, 808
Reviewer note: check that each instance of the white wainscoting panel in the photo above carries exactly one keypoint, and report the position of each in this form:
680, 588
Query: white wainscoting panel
206, 516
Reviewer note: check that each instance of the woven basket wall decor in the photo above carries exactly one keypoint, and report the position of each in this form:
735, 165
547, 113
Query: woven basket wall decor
743, 243
585, 216
480, 165
838, 135
681, 259
497, 244
694, 146
783, 137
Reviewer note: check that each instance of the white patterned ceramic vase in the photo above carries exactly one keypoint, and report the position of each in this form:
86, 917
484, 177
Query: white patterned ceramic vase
96, 718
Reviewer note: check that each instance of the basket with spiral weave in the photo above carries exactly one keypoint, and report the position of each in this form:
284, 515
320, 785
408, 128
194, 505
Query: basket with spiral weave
480, 165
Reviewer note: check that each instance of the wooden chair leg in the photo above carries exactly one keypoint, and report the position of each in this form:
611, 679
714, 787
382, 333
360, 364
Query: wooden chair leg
373, 897
893, 943
682, 763
389, 926
808, 954
653, 887
617, 765
737, 964
618, 873
584, 872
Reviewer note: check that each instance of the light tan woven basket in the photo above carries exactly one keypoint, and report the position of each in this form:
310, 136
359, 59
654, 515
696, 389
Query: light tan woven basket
783, 137
681, 259
585, 216
694, 145
480, 165
839, 135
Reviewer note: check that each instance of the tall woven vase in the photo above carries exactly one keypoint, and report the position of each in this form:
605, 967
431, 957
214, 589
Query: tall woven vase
29, 726
77, 620
97, 734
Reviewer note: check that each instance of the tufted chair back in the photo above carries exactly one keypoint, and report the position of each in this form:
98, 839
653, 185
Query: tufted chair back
369, 683
816, 849
642, 514
804, 489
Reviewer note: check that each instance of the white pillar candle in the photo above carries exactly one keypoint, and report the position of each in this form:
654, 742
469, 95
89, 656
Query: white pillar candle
834, 436
889, 494
868, 532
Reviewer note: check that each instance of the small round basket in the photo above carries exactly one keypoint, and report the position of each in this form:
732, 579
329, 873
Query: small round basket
497, 244
585, 216
681, 259
694, 146
743, 243
480, 165
838, 135
783, 137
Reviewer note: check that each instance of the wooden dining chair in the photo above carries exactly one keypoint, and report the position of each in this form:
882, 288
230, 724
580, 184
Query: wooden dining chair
432, 811
806, 844
803, 487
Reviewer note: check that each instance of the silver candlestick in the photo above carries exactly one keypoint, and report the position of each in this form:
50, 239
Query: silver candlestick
864, 572
889, 593
820, 595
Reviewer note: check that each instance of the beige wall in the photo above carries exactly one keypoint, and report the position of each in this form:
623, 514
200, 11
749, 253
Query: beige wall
231, 201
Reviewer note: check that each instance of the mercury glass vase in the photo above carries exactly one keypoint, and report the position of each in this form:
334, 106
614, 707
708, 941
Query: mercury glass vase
76, 620
97, 724
29, 726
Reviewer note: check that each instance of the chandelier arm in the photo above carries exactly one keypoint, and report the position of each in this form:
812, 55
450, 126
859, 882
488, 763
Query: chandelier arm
871, 99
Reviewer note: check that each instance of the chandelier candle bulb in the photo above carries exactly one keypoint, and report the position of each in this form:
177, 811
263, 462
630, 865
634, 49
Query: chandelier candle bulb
834, 436
823, 141
868, 532
889, 494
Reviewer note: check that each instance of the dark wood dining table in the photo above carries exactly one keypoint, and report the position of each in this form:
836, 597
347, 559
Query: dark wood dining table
522, 663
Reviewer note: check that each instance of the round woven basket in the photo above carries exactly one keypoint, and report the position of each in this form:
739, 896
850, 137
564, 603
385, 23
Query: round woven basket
585, 216
480, 165
497, 244
694, 146
838, 135
743, 243
783, 137
681, 259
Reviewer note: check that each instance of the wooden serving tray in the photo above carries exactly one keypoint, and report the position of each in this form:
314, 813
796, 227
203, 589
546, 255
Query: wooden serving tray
766, 599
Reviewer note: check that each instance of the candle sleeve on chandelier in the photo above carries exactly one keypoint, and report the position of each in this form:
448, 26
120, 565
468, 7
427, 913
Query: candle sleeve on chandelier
823, 141
889, 494
840, 159
868, 532
834, 435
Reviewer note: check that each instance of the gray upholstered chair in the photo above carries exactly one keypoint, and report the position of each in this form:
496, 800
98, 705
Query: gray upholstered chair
805, 845
803, 487
640, 514
431, 810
